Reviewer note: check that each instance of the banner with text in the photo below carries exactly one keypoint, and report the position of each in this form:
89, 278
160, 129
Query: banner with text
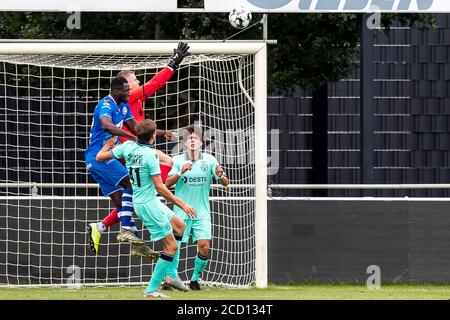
293, 6
331, 5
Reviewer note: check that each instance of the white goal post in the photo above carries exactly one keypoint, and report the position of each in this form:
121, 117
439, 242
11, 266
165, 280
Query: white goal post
26, 67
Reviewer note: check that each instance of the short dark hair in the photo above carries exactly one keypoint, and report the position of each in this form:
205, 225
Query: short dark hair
193, 129
117, 83
145, 130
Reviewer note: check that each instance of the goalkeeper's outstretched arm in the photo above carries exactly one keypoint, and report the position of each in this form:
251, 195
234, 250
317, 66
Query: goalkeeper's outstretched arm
179, 53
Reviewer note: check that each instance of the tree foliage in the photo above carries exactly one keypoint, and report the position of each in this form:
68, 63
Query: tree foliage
312, 49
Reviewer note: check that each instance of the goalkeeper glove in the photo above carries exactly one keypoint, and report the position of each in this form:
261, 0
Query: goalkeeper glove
179, 54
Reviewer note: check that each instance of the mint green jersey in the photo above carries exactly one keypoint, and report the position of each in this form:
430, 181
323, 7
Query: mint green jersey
194, 185
142, 163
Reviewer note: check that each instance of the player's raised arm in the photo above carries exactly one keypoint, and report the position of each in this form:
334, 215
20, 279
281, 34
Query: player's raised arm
169, 196
223, 179
105, 152
159, 80
179, 53
171, 180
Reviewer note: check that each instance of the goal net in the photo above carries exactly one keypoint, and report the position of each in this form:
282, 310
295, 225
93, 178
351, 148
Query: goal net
47, 197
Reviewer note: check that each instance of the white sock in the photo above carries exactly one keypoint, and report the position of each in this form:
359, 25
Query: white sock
101, 227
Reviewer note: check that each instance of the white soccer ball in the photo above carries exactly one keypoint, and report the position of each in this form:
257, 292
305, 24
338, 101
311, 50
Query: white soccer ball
240, 17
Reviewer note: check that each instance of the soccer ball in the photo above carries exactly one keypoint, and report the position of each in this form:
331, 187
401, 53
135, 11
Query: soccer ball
240, 17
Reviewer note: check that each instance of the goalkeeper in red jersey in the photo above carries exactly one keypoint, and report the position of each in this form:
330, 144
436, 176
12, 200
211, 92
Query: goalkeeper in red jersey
138, 95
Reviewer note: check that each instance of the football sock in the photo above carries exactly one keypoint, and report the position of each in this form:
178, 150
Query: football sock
162, 266
126, 212
200, 265
173, 270
111, 219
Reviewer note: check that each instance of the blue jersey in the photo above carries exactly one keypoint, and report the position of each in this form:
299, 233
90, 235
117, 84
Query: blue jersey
106, 107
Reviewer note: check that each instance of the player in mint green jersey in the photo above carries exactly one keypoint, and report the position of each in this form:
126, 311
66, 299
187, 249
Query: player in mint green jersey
163, 224
192, 173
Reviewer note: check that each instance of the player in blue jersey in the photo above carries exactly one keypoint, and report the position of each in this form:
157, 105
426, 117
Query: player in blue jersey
164, 225
191, 173
138, 95
110, 114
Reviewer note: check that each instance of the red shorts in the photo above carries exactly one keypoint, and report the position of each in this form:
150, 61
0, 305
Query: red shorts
164, 170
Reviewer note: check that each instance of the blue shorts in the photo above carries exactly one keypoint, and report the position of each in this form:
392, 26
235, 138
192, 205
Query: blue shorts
200, 229
108, 174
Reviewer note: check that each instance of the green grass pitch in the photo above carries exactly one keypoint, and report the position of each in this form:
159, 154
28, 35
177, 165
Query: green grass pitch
273, 292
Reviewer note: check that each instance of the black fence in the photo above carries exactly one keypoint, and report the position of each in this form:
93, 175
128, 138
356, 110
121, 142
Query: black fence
412, 118
337, 241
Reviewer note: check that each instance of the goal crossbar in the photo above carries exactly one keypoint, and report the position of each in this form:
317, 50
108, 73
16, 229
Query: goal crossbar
138, 47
